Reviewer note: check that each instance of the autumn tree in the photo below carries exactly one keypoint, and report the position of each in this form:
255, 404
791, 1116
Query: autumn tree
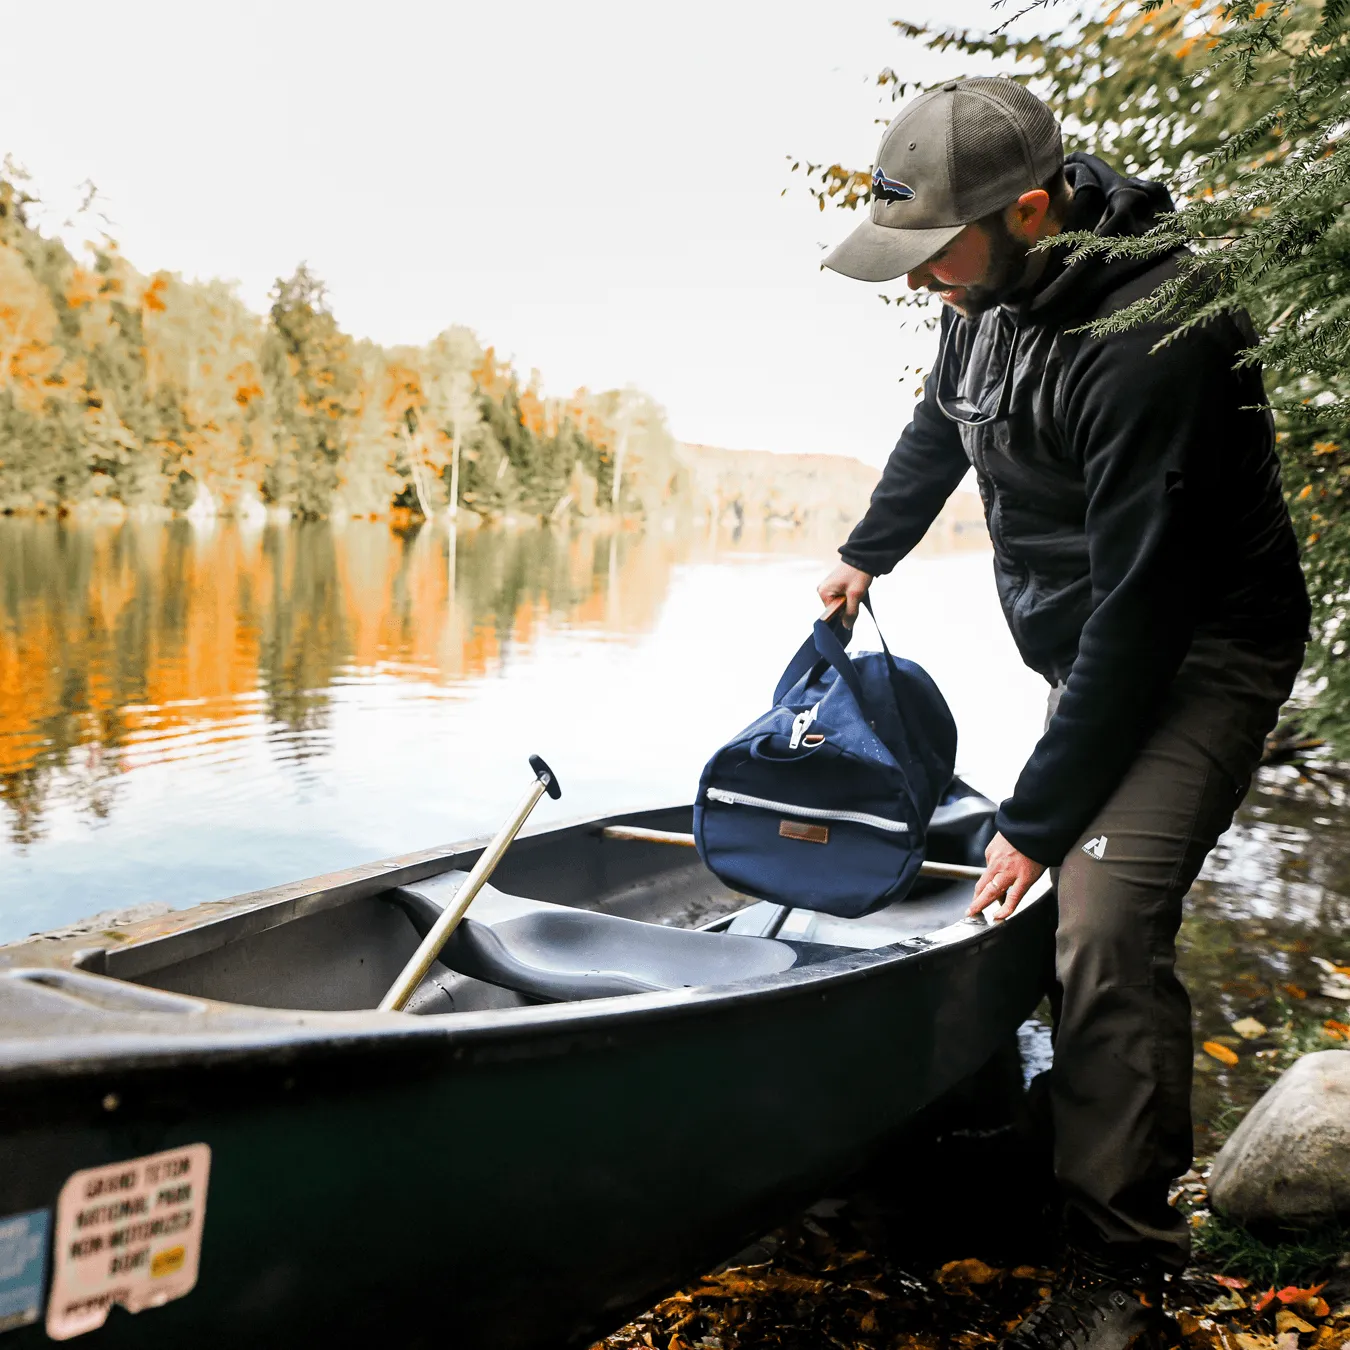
203, 357
152, 391
453, 413
311, 386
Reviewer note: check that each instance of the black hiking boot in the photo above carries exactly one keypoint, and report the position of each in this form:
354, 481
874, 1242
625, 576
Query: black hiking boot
1099, 1308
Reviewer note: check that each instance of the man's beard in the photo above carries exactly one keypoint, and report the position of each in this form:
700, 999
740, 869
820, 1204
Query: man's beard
1007, 272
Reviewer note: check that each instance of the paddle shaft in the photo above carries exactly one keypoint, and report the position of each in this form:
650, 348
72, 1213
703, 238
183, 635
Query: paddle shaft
430, 947
953, 871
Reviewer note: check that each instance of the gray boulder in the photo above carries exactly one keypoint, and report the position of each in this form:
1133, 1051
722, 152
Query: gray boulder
1289, 1160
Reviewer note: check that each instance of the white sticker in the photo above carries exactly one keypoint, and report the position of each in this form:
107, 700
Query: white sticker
128, 1233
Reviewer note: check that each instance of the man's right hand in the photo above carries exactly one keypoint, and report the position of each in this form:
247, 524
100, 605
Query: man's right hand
847, 583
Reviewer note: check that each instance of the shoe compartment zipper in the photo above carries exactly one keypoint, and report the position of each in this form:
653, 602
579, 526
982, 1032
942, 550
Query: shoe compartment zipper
807, 812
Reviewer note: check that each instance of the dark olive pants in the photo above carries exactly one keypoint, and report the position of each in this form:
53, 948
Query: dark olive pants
1120, 1087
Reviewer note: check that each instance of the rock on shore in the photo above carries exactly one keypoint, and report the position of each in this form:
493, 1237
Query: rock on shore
1289, 1160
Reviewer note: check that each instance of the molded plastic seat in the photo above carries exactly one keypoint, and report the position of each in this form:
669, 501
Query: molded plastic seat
575, 954
553, 952
962, 816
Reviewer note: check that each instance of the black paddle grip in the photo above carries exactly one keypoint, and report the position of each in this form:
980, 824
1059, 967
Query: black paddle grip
546, 776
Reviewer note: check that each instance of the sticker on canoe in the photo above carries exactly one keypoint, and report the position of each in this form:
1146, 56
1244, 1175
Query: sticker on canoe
23, 1267
128, 1233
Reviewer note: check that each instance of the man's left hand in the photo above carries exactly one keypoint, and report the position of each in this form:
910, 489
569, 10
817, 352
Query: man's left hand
1008, 876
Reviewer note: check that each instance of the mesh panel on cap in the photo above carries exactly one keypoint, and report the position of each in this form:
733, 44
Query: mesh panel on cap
1004, 141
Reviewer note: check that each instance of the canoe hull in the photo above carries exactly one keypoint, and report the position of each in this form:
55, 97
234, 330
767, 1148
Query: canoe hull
526, 1189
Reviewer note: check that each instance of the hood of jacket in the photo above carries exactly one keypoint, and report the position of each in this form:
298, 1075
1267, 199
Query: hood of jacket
1111, 206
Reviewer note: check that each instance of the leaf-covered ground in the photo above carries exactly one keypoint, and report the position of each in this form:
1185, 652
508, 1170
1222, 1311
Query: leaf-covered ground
832, 1278
950, 1238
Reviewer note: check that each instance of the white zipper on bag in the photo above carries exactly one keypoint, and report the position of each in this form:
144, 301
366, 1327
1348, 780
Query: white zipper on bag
807, 812
799, 725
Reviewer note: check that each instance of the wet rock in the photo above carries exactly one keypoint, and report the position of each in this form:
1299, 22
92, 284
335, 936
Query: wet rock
1289, 1160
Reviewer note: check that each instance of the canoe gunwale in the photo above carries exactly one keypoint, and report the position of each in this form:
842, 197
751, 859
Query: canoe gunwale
235, 1032
210, 1032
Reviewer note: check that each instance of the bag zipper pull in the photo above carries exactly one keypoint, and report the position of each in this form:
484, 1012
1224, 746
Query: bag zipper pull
799, 725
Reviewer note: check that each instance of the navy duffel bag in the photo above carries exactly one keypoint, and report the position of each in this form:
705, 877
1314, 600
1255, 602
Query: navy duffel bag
824, 801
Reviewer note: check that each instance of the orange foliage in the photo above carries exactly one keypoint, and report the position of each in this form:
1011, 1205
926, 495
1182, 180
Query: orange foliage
29, 358
404, 391
153, 295
491, 376
534, 412
81, 288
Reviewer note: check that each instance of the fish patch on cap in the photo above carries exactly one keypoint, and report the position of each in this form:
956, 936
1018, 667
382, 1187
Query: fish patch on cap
890, 189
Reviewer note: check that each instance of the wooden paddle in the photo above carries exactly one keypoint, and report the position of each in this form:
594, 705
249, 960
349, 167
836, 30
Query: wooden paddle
430, 948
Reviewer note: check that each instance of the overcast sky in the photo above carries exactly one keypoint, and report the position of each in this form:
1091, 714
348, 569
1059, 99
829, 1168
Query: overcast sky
592, 187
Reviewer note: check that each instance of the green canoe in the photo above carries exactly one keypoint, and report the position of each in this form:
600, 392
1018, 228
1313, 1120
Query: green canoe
618, 1073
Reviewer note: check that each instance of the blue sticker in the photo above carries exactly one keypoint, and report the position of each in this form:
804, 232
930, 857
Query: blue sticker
23, 1267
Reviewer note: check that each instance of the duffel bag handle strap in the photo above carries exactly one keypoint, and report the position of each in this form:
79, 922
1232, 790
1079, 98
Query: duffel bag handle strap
807, 657
829, 648
825, 647
892, 671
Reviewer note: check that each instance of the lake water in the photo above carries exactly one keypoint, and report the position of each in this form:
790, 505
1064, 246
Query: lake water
194, 712
191, 711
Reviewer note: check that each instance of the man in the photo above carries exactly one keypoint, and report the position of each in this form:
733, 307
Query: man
1147, 568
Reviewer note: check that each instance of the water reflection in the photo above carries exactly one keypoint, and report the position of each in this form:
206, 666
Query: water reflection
138, 643
1274, 895
189, 713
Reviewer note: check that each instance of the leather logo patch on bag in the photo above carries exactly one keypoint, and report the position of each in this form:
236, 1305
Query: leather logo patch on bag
810, 834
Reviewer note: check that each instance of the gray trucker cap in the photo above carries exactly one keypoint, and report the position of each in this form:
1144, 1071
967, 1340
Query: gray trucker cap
956, 153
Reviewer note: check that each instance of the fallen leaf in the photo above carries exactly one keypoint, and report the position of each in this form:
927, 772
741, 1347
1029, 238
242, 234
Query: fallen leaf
1220, 1052
1263, 1301
1230, 1281
787, 1283
1287, 1340
1288, 1320
1293, 1294
1248, 1028
1229, 1302
1249, 1342
1335, 981
959, 1274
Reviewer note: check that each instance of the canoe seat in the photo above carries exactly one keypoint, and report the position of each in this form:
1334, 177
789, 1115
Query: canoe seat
559, 954
962, 816
576, 954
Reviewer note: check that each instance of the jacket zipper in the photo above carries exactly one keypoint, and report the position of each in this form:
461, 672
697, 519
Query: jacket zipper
799, 725
807, 812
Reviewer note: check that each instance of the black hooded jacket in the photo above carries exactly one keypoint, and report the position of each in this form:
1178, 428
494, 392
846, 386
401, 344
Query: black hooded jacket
1133, 498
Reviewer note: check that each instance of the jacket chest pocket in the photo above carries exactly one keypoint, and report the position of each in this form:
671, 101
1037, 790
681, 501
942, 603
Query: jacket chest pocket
989, 448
